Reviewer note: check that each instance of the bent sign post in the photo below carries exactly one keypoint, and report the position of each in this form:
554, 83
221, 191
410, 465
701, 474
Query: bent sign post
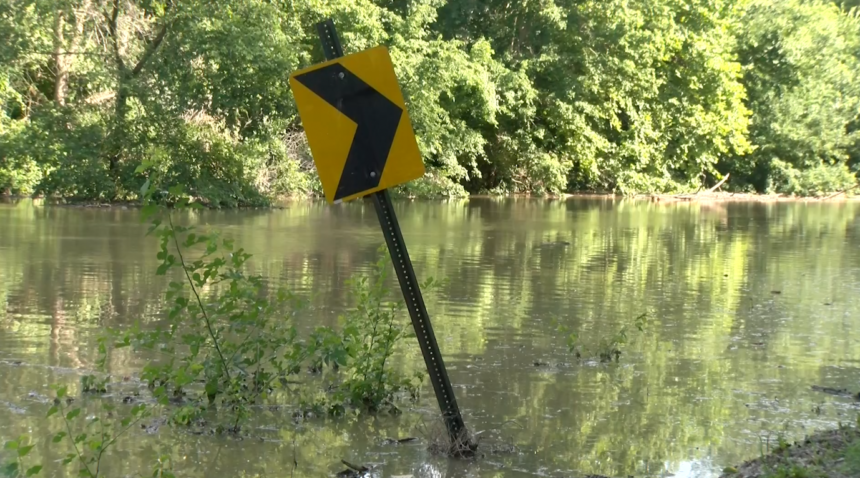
362, 142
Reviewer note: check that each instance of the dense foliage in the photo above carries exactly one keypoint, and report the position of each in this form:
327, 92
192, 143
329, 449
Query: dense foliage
541, 96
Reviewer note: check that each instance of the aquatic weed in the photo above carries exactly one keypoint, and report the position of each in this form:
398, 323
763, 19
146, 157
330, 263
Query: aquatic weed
91, 437
608, 348
361, 352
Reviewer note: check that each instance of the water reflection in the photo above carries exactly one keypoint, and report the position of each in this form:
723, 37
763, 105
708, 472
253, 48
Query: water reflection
752, 303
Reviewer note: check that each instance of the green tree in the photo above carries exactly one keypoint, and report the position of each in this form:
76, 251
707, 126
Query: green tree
535, 96
800, 70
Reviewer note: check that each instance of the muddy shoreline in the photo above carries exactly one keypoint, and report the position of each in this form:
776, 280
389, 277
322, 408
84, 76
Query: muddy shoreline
826, 454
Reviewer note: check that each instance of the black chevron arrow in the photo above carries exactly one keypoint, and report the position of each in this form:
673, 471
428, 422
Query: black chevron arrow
376, 118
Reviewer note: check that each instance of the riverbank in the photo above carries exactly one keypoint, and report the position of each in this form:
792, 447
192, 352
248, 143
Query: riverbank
660, 198
701, 197
828, 454
840, 196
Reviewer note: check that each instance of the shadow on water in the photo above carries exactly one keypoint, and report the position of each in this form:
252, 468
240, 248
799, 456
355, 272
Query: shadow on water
723, 361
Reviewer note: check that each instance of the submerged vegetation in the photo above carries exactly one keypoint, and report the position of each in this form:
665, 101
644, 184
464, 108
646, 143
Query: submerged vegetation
228, 343
608, 348
505, 97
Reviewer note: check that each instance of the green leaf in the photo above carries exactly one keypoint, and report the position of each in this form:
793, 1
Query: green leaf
10, 469
33, 470
11, 445
73, 414
68, 459
176, 190
145, 188
61, 392
59, 437
24, 450
148, 211
143, 167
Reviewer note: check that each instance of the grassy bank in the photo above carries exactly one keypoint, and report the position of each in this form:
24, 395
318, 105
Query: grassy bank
829, 454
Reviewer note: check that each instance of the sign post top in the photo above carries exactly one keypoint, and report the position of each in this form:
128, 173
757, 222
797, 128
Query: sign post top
357, 124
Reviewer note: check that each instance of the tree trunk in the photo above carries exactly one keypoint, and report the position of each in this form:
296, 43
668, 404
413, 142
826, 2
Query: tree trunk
63, 58
121, 102
120, 111
127, 75
60, 60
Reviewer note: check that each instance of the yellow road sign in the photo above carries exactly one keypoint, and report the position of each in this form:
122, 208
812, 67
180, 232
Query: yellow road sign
357, 125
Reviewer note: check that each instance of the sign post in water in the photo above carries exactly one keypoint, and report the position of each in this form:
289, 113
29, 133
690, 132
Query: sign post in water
362, 143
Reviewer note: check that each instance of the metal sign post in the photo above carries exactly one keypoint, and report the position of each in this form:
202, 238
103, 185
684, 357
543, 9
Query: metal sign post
362, 172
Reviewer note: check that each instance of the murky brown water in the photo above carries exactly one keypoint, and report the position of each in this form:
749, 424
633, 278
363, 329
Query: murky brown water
724, 361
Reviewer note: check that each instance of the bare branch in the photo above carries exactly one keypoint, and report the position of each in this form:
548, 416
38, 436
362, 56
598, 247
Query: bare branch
150, 49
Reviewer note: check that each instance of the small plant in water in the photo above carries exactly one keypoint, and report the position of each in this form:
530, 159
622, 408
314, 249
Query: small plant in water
226, 342
571, 338
93, 384
163, 468
362, 351
91, 437
19, 449
608, 348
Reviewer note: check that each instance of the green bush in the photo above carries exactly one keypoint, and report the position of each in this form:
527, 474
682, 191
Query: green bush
286, 167
18, 175
214, 165
370, 333
63, 152
814, 181
432, 185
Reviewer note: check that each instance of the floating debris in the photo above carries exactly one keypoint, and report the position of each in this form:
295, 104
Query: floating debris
352, 471
398, 441
841, 392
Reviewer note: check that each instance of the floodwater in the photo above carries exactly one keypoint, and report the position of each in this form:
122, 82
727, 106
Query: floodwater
751, 304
